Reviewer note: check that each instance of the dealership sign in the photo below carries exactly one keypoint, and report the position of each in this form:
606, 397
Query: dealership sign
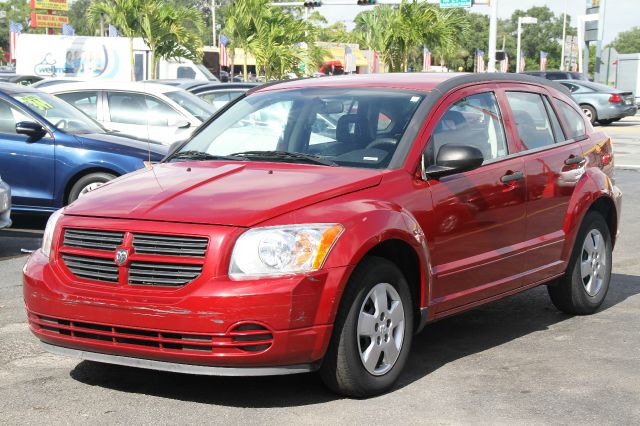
48, 21
49, 5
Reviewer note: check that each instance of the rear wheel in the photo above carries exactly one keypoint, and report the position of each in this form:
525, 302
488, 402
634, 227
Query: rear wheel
590, 112
583, 288
87, 184
372, 332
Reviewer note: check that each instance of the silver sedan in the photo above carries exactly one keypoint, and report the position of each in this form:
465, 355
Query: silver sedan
5, 204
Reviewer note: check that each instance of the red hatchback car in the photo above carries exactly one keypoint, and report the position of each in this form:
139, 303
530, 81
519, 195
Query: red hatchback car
318, 224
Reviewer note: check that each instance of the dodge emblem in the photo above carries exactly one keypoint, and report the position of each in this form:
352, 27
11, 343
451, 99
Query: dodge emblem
121, 256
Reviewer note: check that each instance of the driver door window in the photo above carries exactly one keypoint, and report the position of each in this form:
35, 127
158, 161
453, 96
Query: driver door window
473, 120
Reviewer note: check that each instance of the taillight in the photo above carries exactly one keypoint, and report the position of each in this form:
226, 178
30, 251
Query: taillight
615, 98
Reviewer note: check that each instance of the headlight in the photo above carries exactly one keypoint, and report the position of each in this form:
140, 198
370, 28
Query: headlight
47, 238
282, 250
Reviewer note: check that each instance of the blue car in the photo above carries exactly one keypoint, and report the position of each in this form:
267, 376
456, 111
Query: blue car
51, 153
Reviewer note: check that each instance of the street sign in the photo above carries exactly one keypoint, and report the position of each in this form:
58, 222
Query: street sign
448, 4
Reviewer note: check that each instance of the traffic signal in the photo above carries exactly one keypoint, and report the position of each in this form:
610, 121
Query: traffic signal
311, 4
366, 2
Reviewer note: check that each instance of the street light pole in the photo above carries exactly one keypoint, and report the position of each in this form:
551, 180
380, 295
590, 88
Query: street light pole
493, 34
213, 19
564, 36
522, 20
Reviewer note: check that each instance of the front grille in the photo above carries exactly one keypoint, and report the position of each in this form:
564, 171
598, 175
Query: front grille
245, 338
95, 240
169, 245
94, 268
146, 265
165, 274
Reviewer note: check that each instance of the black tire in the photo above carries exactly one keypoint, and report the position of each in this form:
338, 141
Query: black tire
605, 122
85, 181
342, 369
569, 293
590, 113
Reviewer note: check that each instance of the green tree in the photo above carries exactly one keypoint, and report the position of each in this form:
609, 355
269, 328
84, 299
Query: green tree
17, 11
170, 31
240, 25
80, 21
628, 41
124, 15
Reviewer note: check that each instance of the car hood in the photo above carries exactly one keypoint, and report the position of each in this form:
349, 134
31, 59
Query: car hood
220, 193
124, 142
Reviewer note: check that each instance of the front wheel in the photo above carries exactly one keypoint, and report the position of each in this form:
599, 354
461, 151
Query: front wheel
372, 332
87, 184
590, 113
584, 286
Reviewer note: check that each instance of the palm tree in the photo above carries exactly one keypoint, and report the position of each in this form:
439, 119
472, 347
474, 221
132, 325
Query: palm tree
171, 32
124, 15
240, 26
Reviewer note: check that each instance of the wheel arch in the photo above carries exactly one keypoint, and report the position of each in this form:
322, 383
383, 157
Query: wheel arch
81, 173
605, 206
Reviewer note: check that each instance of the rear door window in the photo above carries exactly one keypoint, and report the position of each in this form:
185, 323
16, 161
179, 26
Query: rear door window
532, 120
573, 119
136, 108
555, 123
86, 102
473, 120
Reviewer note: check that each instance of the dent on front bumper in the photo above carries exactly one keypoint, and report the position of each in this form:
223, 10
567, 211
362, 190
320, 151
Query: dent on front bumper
221, 323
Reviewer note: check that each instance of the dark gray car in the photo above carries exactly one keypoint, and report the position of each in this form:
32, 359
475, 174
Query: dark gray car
600, 103
5, 204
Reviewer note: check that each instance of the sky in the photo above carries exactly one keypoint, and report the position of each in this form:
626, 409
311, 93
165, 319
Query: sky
620, 15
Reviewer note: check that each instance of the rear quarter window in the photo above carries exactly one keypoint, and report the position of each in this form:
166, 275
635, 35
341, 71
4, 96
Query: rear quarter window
575, 121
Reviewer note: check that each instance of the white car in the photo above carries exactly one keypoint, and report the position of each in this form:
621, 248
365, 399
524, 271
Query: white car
148, 111
5, 205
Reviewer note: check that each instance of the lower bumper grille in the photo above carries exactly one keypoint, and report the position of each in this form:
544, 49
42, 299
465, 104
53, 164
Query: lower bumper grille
241, 339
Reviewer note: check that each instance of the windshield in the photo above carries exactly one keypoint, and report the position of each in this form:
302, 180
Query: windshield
346, 127
59, 113
196, 106
206, 72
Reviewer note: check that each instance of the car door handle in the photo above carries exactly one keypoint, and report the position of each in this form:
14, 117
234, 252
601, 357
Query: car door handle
574, 159
510, 177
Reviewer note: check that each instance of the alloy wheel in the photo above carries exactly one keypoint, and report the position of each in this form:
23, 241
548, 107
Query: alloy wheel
381, 323
593, 262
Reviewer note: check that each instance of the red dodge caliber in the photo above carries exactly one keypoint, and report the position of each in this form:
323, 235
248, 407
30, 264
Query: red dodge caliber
319, 224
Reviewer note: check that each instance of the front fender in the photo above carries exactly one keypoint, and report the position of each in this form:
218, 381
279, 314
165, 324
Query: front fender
367, 223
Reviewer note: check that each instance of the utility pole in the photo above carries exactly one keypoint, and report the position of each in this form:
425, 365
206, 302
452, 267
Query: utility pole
493, 34
564, 36
213, 19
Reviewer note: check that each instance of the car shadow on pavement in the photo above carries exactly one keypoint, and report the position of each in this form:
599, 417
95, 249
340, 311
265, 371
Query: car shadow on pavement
440, 343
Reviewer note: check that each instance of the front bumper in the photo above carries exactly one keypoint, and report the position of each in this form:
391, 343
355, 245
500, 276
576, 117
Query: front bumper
218, 323
5, 205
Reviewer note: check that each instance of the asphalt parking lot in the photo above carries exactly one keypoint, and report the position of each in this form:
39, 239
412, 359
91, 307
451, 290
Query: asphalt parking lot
515, 361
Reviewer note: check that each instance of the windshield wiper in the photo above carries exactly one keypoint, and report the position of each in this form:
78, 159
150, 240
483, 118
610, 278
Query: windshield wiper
203, 156
287, 157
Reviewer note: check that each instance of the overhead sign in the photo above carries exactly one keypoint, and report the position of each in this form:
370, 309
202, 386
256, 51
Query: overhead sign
49, 5
448, 4
49, 21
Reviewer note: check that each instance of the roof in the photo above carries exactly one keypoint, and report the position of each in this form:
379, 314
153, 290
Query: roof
424, 82
222, 86
104, 84
12, 88
183, 83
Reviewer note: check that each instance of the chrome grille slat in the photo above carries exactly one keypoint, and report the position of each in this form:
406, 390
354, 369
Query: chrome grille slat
95, 240
170, 245
91, 267
147, 273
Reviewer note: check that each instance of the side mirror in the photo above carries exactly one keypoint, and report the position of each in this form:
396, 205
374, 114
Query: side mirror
454, 159
180, 124
29, 128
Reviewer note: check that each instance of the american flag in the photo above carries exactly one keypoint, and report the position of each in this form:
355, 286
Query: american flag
543, 60
113, 31
522, 62
504, 64
426, 60
480, 60
224, 55
15, 28
68, 30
